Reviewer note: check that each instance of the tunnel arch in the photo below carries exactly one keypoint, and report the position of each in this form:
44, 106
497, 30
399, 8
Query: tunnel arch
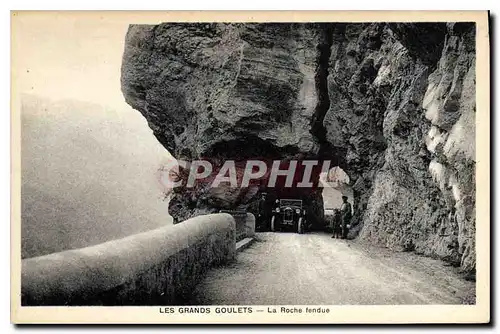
336, 183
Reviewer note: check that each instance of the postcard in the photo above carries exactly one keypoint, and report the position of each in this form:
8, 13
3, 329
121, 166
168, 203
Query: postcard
250, 167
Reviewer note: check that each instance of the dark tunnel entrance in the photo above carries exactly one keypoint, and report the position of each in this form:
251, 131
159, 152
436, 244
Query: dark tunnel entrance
302, 183
319, 197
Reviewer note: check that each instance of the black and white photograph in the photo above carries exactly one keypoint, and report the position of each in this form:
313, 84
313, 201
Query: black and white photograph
280, 170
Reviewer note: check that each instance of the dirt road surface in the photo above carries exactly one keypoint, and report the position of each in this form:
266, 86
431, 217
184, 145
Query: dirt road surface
312, 268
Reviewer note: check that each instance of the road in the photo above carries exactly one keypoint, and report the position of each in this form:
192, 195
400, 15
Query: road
312, 268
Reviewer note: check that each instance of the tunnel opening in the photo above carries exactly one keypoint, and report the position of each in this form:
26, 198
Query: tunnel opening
337, 184
304, 186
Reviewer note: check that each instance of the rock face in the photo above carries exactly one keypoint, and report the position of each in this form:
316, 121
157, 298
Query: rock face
225, 91
392, 104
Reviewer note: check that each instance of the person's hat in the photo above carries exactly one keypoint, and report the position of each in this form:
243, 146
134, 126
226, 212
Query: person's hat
344, 197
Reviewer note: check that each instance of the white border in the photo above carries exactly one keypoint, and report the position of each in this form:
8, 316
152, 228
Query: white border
212, 5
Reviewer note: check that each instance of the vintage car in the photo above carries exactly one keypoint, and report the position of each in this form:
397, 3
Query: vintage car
289, 214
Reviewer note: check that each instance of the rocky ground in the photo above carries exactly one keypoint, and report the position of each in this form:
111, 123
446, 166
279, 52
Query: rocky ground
301, 269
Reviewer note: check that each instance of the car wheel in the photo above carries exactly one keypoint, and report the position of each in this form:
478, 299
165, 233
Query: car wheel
300, 226
272, 224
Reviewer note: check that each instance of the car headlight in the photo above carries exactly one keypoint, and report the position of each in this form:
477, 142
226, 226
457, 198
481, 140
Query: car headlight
277, 209
297, 211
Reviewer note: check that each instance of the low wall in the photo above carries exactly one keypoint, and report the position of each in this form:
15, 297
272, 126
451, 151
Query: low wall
245, 223
250, 225
158, 267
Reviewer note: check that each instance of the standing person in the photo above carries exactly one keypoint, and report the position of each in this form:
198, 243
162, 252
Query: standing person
346, 211
262, 219
337, 224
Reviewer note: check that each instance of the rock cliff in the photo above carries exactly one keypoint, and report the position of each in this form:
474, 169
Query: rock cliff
392, 104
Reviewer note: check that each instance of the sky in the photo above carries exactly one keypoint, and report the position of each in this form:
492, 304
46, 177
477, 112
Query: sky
71, 57
88, 159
